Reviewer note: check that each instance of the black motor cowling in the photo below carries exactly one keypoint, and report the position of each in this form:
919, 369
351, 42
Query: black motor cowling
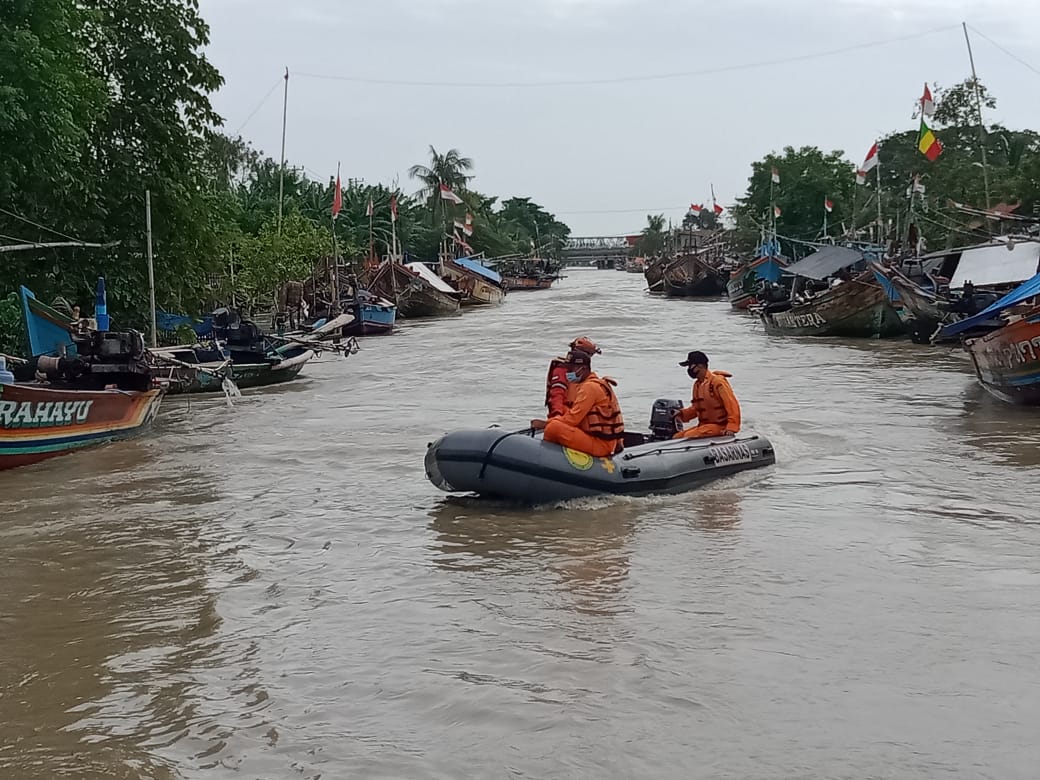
663, 422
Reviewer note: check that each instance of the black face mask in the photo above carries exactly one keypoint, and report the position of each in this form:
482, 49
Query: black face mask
692, 372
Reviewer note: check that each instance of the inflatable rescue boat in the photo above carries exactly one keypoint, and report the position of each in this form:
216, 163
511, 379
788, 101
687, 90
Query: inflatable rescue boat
521, 466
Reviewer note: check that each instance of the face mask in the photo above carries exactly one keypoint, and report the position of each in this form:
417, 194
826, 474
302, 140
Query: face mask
572, 376
692, 372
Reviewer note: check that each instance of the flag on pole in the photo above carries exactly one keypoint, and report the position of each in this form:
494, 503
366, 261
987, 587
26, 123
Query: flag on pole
927, 104
393, 207
696, 209
828, 205
915, 185
447, 194
869, 163
776, 211
927, 144
467, 228
370, 210
337, 197
718, 209
776, 175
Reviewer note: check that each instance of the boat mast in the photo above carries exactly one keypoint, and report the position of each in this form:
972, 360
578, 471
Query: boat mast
978, 111
151, 266
281, 168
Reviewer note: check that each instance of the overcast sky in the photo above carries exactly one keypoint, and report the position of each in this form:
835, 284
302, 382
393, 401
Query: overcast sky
601, 156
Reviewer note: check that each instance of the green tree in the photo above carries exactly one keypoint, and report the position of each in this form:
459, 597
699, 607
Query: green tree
652, 238
448, 169
808, 177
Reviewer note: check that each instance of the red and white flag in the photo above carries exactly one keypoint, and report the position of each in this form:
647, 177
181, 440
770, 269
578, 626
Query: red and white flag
869, 163
393, 207
370, 210
447, 194
927, 104
718, 209
337, 197
776, 175
696, 210
828, 205
776, 211
467, 228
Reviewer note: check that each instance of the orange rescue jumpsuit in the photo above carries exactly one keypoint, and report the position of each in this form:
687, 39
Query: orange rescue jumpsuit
713, 405
593, 424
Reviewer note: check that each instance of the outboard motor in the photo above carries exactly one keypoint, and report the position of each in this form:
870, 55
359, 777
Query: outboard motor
663, 422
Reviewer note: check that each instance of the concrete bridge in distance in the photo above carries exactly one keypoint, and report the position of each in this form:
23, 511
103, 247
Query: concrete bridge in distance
596, 251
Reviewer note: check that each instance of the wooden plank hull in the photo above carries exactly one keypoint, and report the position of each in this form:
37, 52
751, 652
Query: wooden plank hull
856, 309
38, 422
477, 291
520, 283
425, 301
1007, 361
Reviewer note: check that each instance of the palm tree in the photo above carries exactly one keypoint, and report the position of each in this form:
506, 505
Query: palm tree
448, 169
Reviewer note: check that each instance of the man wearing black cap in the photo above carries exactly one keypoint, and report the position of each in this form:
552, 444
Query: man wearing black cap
713, 404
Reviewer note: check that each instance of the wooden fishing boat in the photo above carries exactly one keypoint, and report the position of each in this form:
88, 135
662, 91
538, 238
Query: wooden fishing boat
416, 289
80, 388
654, 275
745, 281
198, 368
857, 308
479, 285
691, 276
38, 422
1007, 361
520, 283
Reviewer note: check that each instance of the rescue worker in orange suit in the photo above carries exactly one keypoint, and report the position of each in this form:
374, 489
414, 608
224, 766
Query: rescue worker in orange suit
713, 405
559, 393
593, 424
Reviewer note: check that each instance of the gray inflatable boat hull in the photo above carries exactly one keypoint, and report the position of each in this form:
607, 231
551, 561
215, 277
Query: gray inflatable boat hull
521, 467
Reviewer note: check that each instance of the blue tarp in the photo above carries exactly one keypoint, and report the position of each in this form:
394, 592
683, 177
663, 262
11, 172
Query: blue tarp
170, 322
472, 265
769, 270
1023, 292
890, 291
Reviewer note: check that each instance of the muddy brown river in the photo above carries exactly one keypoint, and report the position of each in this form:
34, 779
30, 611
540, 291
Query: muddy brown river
274, 590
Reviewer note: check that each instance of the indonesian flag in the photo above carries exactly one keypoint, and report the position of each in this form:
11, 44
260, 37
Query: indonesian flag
467, 228
370, 210
461, 242
927, 104
393, 207
861, 177
776, 175
447, 194
776, 211
718, 209
871, 161
828, 205
337, 198
696, 210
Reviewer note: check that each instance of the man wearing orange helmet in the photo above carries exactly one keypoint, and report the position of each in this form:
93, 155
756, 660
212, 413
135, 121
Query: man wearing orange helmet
591, 420
559, 393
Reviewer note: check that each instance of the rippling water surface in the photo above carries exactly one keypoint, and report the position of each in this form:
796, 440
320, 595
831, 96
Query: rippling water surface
274, 590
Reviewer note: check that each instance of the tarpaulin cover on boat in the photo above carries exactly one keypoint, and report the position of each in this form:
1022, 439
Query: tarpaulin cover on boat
997, 264
1019, 294
428, 275
767, 268
825, 262
472, 265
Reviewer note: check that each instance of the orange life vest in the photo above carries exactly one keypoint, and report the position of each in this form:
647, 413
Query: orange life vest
557, 388
604, 420
706, 401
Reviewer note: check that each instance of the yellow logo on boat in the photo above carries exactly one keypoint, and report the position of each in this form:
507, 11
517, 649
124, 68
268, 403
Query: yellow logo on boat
579, 460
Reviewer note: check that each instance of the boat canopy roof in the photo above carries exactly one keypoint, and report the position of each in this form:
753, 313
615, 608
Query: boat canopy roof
472, 265
1021, 293
1005, 262
825, 262
427, 274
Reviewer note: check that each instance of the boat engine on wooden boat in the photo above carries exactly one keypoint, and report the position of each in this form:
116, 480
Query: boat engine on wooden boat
96, 359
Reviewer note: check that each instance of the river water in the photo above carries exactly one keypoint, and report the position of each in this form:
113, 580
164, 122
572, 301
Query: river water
274, 590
